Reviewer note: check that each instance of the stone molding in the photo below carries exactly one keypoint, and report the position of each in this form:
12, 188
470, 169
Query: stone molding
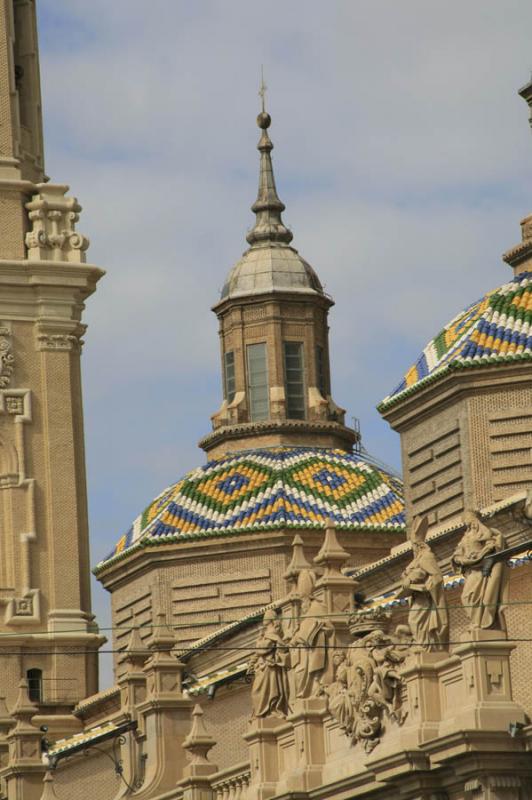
251, 429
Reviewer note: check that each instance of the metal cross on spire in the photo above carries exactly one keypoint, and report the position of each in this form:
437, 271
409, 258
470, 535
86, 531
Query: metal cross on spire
263, 88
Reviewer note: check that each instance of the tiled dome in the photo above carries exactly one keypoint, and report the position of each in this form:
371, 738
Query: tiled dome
497, 328
266, 489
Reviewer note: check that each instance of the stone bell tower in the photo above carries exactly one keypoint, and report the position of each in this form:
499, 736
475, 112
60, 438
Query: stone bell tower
46, 628
274, 334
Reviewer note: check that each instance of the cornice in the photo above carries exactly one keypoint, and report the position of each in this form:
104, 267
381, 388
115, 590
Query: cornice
149, 554
516, 255
246, 430
23, 271
49, 292
454, 382
310, 296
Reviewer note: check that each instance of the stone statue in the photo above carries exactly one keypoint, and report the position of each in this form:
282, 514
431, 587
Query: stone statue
310, 645
269, 667
422, 584
484, 593
339, 700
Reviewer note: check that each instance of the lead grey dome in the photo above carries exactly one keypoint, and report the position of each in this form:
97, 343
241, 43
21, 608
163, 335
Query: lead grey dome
271, 269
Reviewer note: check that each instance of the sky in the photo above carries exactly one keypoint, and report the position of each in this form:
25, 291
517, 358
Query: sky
402, 152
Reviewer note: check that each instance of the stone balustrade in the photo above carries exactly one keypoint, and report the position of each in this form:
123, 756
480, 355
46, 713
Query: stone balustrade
232, 784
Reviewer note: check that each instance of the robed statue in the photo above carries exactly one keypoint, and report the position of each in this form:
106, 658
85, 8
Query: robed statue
310, 646
269, 667
485, 585
422, 584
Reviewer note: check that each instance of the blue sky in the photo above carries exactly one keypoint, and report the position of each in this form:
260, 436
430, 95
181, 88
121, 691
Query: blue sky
402, 153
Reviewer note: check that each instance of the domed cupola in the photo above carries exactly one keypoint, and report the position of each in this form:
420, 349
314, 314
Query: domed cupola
274, 339
270, 264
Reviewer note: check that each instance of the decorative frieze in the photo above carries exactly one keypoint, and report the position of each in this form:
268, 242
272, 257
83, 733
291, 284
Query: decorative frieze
58, 341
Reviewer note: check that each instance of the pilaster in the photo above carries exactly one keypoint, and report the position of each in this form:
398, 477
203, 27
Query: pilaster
263, 756
421, 677
487, 700
132, 684
307, 721
164, 716
25, 770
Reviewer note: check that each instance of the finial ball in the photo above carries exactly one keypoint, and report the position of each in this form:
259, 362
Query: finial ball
264, 120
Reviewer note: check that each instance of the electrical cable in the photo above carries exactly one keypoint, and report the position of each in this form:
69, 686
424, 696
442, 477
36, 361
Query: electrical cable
252, 616
251, 649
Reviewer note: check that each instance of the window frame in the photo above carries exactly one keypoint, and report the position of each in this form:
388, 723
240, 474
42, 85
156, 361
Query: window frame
292, 398
253, 387
228, 379
35, 684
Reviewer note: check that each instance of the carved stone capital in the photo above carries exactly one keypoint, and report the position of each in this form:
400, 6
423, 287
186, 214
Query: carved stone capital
53, 236
59, 338
58, 341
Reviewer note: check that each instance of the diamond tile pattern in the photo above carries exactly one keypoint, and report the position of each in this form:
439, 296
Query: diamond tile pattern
273, 488
496, 328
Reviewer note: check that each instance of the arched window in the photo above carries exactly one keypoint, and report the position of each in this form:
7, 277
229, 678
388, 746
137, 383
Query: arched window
34, 678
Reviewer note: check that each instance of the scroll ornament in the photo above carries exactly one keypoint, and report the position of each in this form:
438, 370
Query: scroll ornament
7, 358
366, 693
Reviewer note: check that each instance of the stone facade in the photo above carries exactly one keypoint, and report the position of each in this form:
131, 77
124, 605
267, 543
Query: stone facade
279, 631
45, 601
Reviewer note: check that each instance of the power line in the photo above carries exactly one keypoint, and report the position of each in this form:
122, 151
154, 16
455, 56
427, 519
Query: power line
255, 616
356, 645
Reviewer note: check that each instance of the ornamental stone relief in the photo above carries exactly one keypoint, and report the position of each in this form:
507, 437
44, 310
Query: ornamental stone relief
7, 359
366, 695
58, 341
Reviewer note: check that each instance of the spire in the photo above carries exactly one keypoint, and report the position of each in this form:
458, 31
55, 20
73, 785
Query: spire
269, 227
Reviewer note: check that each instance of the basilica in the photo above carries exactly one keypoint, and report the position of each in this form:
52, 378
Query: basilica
290, 619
